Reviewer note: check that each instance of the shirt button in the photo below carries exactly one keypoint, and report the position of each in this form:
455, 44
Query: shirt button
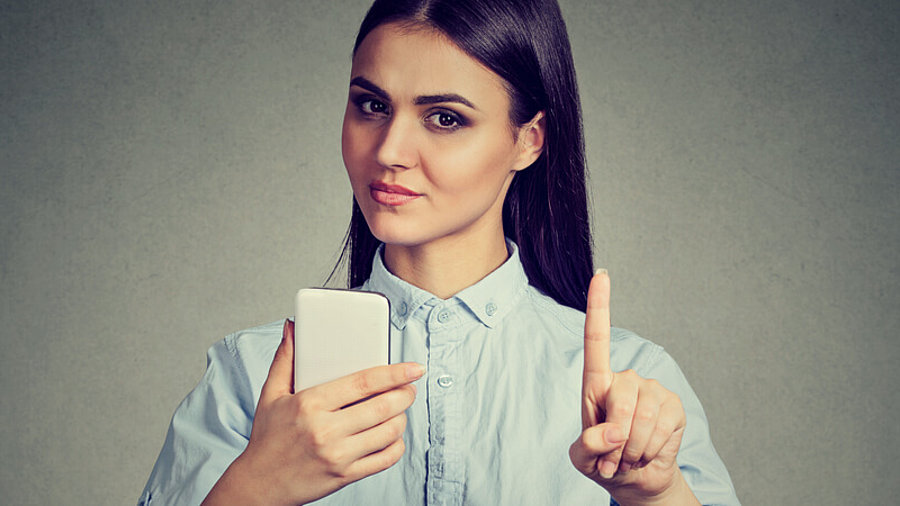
490, 309
444, 316
445, 381
403, 309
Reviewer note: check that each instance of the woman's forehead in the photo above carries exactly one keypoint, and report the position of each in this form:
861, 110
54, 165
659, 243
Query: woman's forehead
409, 61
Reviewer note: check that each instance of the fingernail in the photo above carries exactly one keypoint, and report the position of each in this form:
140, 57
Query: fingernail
607, 469
624, 467
415, 371
601, 270
615, 435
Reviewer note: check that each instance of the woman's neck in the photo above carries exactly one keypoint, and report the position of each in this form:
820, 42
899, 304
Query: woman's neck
447, 266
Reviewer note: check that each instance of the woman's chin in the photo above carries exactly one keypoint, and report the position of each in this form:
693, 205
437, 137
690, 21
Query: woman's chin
397, 235
399, 239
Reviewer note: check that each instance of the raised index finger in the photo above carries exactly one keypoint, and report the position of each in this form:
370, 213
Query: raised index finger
596, 326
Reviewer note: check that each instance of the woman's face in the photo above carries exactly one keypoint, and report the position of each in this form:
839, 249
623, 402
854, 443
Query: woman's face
427, 140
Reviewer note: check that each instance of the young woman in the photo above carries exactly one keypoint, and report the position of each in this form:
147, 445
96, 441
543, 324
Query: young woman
462, 140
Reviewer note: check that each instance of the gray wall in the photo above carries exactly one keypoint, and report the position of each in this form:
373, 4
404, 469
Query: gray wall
171, 172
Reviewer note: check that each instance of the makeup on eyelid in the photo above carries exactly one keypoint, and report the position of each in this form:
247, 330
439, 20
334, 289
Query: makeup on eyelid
368, 104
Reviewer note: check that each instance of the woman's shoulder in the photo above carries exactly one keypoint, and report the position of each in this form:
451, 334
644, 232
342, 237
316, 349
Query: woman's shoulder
257, 335
248, 353
255, 342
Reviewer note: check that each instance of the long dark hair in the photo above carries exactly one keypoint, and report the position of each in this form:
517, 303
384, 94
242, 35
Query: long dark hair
545, 212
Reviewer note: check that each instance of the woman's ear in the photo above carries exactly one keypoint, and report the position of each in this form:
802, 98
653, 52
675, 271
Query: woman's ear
531, 141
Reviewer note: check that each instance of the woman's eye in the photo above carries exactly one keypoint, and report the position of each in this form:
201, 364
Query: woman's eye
372, 106
444, 120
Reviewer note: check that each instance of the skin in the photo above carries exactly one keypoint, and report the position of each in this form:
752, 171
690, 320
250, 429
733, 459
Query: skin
462, 168
458, 153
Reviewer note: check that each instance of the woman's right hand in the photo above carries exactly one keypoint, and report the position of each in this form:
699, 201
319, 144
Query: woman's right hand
307, 445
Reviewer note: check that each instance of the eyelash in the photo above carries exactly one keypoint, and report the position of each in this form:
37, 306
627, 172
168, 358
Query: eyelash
363, 100
457, 120
364, 103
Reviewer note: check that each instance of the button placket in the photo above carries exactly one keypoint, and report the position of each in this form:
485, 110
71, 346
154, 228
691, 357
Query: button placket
445, 465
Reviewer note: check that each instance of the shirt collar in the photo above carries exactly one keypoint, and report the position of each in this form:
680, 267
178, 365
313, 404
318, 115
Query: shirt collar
488, 300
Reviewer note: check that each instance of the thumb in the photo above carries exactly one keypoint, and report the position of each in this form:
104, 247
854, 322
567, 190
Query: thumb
280, 381
594, 443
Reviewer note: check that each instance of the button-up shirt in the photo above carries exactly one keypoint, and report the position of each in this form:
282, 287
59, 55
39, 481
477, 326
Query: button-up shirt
494, 415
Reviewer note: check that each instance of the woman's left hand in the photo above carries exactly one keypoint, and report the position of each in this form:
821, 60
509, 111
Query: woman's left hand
631, 426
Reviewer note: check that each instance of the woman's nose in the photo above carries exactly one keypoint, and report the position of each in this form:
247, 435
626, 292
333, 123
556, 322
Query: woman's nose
397, 149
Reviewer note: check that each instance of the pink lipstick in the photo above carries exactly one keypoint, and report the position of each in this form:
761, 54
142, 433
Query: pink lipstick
391, 194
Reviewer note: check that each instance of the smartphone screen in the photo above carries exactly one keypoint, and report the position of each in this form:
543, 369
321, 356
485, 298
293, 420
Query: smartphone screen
338, 332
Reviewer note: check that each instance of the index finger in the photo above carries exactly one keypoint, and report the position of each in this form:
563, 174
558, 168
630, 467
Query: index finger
366, 383
596, 326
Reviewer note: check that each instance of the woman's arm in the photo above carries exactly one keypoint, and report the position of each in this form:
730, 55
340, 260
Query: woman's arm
229, 432
307, 445
632, 426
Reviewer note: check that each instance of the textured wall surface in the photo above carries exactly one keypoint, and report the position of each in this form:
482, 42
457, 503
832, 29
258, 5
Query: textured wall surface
171, 172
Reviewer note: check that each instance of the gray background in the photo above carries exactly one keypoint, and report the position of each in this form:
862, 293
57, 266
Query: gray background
171, 172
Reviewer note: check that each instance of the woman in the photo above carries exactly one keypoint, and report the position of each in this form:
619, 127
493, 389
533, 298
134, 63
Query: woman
462, 141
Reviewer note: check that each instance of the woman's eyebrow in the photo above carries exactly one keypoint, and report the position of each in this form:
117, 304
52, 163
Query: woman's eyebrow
440, 98
364, 83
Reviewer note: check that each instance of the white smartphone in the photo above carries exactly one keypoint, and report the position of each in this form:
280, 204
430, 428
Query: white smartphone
338, 332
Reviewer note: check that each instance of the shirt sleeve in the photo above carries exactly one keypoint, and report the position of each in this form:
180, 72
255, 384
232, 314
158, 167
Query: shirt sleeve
210, 428
701, 466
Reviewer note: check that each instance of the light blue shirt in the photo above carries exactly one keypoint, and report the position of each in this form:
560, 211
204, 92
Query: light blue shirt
493, 419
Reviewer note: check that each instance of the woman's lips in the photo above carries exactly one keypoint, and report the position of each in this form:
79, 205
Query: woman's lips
391, 194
